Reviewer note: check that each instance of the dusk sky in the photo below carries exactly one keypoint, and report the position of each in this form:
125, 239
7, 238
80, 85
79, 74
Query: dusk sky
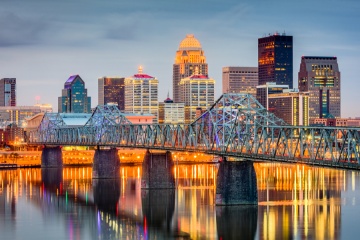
43, 42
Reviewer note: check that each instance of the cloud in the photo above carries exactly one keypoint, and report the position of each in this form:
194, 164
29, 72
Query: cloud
18, 31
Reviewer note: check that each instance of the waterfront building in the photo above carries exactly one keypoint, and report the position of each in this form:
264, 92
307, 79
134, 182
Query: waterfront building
74, 97
264, 91
141, 94
17, 115
189, 59
197, 91
8, 92
240, 80
111, 90
291, 105
275, 59
171, 113
320, 76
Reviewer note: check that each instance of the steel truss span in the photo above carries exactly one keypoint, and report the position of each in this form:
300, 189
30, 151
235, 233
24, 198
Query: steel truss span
235, 126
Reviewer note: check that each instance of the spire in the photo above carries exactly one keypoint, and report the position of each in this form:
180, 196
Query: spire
140, 69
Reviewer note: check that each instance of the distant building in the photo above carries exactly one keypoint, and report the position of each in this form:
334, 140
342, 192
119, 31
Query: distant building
275, 60
240, 80
8, 92
189, 60
264, 91
171, 113
141, 94
74, 97
111, 90
17, 115
320, 76
291, 106
197, 91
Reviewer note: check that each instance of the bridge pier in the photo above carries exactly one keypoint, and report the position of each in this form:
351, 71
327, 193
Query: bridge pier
106, 163
236, 183
51, 157
157, 171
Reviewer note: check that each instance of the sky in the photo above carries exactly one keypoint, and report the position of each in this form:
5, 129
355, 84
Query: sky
43, 42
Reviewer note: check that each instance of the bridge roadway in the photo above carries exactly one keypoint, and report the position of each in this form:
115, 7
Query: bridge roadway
235, 126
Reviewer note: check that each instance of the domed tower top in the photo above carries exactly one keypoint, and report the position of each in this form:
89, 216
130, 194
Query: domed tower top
190, 43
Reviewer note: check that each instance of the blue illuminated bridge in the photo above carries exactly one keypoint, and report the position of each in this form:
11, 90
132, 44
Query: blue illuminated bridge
237, 127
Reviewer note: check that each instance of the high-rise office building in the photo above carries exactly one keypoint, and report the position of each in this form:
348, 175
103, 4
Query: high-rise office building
111, 90
8, 92
264, 91
189, 60
197, 91
240, 80
275, 60
320, 77
292, 106
141, 94
74, 97
171, 113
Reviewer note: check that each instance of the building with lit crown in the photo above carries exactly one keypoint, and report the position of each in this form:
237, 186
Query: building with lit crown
171, 113
197, 91
111, 90
8, 92
275, 59
141, 94
189, 59
74, 97
320, 76
240, 80
291, 105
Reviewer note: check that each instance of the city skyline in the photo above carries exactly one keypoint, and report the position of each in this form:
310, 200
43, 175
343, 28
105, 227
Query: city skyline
43, 43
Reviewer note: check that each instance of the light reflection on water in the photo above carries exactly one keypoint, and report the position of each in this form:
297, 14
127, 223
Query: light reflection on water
295, 202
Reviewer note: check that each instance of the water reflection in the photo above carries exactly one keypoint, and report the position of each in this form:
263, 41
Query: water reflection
295, 202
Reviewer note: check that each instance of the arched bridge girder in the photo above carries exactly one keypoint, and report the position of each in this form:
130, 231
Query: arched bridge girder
236, 125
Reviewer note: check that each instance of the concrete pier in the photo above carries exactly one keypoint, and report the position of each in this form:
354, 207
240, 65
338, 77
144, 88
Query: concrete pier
157, 171
106, 163
236, 183
51, 157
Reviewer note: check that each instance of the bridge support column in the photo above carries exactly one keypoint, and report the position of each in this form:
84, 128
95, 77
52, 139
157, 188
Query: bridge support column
51, 157
157, 171
236, 183
106, 163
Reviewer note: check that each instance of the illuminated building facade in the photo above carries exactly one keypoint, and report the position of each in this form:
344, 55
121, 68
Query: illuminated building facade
320, 77
8, 92
264, 91
111, 90
275, 60
240, 80
18, 114
74, 97
291, 106
197, 91
141, 94
171, 113
189, 60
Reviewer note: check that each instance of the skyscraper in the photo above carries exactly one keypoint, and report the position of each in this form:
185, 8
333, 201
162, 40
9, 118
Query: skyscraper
74, 97
320, 77
198, 94
141, 94
112, 90
8, 92
189, 60
171, 113
275, 60
240, 80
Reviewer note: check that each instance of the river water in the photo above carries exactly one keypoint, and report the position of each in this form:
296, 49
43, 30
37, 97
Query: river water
295, 202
